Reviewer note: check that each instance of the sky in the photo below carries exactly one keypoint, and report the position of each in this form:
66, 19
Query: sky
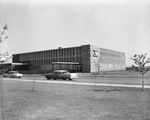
120, 25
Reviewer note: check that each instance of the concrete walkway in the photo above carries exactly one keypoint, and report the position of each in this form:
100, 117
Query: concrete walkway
77, 83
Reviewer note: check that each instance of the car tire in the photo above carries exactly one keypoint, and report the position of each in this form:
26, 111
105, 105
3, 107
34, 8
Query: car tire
70, 79
4, 76
48, 78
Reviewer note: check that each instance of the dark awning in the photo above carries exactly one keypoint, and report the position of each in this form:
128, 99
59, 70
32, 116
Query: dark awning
71, 63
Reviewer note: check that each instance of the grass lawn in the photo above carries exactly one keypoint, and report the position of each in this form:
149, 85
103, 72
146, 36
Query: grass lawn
72, 102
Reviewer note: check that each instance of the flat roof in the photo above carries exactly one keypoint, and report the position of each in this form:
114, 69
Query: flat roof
65, 63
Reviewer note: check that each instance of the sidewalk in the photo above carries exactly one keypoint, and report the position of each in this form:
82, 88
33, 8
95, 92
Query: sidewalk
81, 83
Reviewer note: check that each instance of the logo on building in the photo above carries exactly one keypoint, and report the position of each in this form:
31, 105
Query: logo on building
95, 53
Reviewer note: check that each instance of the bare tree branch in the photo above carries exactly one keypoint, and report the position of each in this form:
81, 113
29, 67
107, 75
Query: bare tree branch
141, 61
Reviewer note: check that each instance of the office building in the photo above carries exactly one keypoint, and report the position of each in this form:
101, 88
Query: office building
84, 58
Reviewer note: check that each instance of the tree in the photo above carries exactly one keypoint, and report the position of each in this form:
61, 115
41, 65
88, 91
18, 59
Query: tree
3, 34
4, 56
97, 65
141, 61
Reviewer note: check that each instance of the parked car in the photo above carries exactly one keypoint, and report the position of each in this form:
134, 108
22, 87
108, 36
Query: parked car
2, 71
13, 74
61, 74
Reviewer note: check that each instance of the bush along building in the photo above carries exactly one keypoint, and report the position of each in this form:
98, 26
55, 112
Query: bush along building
84, 58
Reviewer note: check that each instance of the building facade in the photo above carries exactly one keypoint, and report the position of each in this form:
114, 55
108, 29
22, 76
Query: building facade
84, 58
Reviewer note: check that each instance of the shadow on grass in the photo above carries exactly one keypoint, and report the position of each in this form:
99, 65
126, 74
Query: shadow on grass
105, 90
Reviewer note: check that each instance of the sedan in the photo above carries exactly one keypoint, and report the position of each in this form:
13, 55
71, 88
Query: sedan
13, 74
61, 74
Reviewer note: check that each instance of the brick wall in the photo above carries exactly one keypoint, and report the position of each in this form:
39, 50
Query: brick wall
85, 58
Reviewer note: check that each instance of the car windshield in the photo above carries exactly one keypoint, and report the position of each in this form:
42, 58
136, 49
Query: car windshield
13, 72
60, 71
65, 72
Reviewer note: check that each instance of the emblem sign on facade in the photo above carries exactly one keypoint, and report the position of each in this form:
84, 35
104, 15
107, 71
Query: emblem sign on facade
95, 53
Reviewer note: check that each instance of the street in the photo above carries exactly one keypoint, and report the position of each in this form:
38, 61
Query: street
92, 80
97, 79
